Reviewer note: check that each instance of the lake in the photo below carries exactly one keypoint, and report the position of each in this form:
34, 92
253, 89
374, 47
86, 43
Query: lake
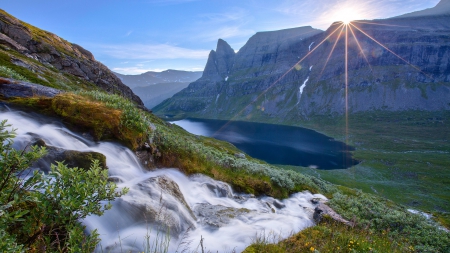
276, 144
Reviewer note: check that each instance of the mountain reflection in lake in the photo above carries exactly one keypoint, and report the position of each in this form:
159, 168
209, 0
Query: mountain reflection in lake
276, 144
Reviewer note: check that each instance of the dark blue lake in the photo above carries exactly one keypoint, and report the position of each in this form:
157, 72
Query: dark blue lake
276, 144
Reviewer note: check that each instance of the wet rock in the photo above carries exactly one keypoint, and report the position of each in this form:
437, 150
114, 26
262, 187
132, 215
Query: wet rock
159, 201
71, 158
240, 155
13, 88
317, 200
323, 209
222, 190
83, 160
217, 215
115, 180
276, 203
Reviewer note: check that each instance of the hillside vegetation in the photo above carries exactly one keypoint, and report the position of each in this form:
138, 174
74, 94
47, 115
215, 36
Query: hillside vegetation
47, 220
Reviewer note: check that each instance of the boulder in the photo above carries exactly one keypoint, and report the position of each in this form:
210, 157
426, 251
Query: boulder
217, 216
158, 201
322, 209
13, 88
71, 158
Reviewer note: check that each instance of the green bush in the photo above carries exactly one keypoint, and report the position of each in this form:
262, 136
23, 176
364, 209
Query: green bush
41, 212
7, 72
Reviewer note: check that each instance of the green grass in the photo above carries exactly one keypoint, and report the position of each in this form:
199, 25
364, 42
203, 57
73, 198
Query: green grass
405, 157
333, 237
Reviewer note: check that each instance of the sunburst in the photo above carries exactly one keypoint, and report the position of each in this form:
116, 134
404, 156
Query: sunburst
348, 20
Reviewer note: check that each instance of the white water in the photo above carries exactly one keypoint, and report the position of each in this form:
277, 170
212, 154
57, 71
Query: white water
125, 226
309, 48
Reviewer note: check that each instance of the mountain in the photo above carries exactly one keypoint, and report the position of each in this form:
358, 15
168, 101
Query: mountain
42, 57
166, 76
154, 87
154, 94
442, 8
407, 68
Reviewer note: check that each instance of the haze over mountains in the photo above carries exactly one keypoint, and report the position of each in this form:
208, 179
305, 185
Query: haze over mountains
153, 77
154, 87
407, 68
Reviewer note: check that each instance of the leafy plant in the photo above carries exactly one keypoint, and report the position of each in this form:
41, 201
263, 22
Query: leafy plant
7, 72
41, 212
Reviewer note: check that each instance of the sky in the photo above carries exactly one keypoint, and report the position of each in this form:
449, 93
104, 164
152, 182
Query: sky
135, 36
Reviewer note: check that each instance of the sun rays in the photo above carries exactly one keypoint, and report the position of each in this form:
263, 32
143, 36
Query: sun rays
346, 29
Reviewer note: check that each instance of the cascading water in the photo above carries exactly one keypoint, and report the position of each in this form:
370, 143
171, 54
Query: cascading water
166, 202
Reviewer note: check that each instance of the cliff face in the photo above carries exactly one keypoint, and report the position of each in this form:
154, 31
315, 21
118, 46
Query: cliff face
407, 68
51, 50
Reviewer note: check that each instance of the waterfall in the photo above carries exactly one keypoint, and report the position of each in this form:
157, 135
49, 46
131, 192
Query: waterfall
168, 203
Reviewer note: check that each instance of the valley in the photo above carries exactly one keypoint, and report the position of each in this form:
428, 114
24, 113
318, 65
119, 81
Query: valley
305, 140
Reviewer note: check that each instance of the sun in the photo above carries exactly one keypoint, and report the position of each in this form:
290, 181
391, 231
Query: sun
346, 15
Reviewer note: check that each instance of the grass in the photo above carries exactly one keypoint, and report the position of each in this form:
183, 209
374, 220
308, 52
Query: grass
404, 157
104, 116
113, 116
330, 236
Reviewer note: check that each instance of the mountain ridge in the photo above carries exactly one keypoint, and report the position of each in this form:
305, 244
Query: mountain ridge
268, 83
44, 56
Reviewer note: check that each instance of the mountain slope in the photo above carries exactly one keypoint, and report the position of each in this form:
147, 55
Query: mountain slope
154, 94
442, 8
47, 59
267, 82
154, 87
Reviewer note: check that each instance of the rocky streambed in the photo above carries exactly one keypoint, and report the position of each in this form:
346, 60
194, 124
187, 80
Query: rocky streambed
164, 204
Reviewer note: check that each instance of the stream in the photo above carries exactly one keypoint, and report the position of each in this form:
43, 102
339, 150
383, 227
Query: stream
167, 205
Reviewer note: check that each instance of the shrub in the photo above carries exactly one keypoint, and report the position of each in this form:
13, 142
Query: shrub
7, 72
40, 212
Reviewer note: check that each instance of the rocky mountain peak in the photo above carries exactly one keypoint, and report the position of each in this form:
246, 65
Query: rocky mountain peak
219, 62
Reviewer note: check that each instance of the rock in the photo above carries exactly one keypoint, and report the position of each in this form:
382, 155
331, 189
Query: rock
240, 155
71, 158
217, 215
317, 200
83, 160
5, 40
115, 180
69, 58
158, 201
218, 188
276, 203
12, 88
322, 209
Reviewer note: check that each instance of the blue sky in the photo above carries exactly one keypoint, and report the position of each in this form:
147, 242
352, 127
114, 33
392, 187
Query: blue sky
135, 36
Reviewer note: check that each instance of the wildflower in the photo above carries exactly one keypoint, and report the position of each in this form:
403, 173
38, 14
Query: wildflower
312, 248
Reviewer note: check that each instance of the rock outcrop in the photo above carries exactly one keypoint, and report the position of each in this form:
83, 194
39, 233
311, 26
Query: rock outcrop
12, 88
322, 210
66, 57
276, 76
165, 207
217, 216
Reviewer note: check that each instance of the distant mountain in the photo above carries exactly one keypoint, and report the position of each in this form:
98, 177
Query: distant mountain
406, 68
442, 8
154, 94
154, 87
166, 76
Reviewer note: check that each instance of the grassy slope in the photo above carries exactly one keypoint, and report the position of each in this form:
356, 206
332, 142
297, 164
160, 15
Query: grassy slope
380, 142
404, 156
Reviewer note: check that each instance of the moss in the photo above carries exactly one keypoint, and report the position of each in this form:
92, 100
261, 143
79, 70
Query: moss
102, 122
83, 159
